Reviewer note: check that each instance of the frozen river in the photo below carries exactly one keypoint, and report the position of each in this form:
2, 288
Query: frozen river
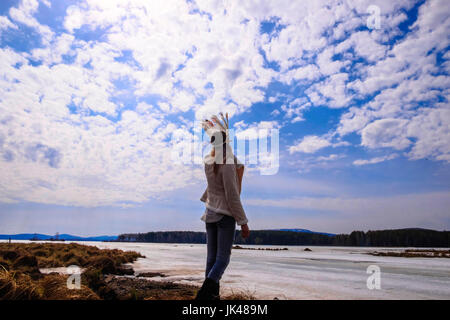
323, 273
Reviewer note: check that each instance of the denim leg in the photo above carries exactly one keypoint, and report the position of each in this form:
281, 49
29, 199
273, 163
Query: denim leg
211, 244
225, 237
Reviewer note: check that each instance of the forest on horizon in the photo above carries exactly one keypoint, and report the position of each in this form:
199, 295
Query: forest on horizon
413, 237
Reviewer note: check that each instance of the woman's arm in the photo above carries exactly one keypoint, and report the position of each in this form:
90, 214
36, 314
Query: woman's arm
240, 174
205, 195
230, 183
239, 171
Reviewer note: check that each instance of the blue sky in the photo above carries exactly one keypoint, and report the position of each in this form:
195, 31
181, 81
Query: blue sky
95, 95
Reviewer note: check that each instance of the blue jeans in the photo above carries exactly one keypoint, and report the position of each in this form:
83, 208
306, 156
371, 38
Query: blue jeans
219, 240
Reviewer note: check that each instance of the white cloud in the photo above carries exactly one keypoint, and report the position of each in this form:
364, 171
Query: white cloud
386, 133
50, 155
53, 53
410, 87
5, 23
47, 3
310, 144
327, 66
24, 14
329, 157
309, 72
192, 57
354, 120
170, 32
275, 112
308, 163
295, 108
333, 92
395, 72
431, 128
361, 162
256, 130
365, 46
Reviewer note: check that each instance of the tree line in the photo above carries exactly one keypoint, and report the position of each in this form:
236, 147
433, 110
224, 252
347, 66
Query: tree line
379, 238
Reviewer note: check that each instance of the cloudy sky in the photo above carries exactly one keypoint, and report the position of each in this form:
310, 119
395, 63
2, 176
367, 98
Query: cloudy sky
95, 95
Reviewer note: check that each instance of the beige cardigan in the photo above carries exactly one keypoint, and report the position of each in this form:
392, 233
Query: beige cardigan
223, 192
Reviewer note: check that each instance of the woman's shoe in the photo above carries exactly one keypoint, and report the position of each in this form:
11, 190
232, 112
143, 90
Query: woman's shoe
217, 292
208, 291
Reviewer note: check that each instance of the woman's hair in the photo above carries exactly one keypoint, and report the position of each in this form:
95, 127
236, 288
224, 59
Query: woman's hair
224, 150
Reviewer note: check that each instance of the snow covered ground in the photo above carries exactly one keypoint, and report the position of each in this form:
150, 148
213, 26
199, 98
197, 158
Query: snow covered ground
323, 273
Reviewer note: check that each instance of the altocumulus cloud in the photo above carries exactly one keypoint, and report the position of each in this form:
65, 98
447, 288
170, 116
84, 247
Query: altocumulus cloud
88, 108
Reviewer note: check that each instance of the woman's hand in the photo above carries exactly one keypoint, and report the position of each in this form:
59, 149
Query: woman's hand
245, 231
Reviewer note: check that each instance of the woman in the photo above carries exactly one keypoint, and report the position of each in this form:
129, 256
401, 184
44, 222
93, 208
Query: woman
223, 207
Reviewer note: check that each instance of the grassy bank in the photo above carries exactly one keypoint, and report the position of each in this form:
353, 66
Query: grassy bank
101, 278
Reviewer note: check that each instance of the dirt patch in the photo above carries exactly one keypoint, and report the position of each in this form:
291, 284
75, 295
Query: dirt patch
131, 288
265, 249
414, 253
151, 274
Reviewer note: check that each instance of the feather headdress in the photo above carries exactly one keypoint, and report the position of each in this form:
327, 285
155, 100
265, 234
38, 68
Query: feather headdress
223, 125
217, 125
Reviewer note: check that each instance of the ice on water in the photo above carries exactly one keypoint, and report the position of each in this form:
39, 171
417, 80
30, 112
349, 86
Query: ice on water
323, 273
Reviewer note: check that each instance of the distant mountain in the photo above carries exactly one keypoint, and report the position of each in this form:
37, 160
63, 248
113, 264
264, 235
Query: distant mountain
24, 236
306, 231
69, 237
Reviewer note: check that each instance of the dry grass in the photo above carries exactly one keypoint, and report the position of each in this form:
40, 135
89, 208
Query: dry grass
55, 288
50, 255
20, 277
240, 294
18, 286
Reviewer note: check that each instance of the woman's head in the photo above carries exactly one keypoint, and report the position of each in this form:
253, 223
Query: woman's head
215, 126
219, 148
217, 129
218, 138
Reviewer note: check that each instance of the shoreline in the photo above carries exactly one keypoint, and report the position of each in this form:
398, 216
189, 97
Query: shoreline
39, 270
